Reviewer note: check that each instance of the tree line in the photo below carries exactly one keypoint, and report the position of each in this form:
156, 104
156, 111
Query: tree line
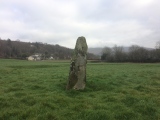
22, 50
133, 53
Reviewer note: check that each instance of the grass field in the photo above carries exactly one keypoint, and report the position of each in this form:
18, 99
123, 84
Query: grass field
36, 91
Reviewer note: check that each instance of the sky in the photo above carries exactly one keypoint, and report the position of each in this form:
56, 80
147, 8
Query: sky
101, 22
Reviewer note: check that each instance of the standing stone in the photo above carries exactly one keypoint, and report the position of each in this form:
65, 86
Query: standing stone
77, 73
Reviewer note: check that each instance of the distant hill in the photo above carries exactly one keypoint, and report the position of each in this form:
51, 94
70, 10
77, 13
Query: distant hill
22, 50
96, 51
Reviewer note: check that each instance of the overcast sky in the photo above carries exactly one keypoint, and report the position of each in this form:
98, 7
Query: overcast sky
102, 22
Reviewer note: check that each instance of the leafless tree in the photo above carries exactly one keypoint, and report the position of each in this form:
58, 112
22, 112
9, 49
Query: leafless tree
119, 54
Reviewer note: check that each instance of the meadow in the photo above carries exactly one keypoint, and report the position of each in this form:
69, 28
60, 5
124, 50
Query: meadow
32, 90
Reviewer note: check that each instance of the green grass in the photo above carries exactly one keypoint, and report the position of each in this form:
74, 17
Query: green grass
36, 91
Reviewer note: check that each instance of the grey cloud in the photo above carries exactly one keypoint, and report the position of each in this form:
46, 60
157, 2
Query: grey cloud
102, 22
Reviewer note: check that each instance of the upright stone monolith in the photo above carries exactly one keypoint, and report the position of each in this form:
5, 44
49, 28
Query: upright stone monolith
77, 73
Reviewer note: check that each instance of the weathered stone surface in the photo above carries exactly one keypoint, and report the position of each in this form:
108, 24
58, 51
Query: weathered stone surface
77, 73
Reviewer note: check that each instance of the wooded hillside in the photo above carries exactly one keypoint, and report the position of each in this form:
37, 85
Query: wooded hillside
21, 50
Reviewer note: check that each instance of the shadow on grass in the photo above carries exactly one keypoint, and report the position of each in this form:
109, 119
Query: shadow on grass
91, 86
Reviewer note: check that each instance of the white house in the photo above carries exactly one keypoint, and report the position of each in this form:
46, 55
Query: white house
31, 58
36, 57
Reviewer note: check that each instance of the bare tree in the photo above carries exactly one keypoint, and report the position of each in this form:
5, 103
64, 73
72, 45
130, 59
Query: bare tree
119, 54
138, 54
107, 54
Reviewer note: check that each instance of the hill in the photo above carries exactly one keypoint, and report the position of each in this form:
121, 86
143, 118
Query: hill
96, 51
21, 50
